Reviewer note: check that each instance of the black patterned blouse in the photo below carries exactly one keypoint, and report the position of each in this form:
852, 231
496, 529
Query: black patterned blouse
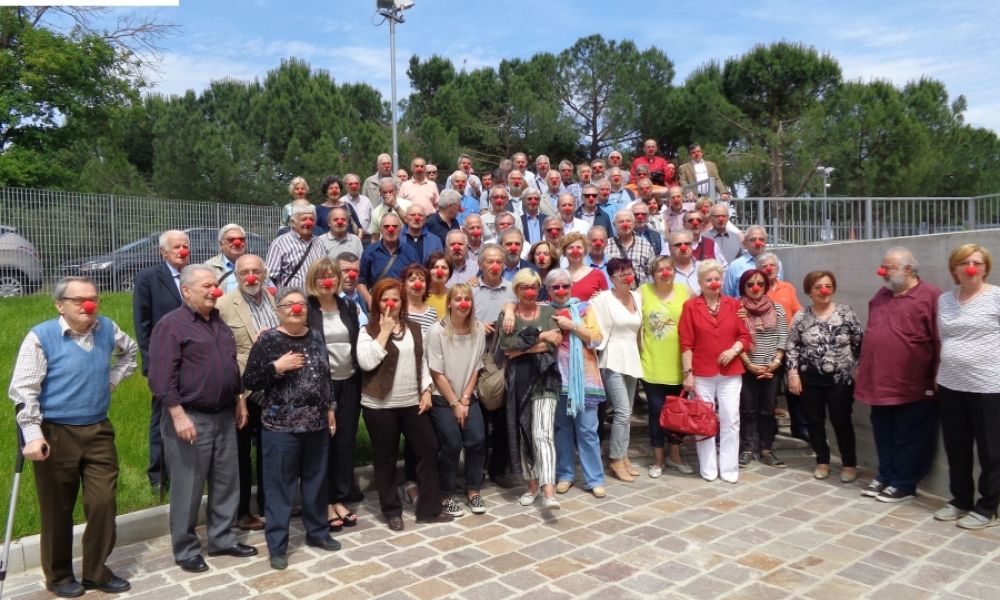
825, 352
296, 401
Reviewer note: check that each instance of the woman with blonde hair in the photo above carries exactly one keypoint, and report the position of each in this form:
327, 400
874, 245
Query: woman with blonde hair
587, 281
455, 349
969, 388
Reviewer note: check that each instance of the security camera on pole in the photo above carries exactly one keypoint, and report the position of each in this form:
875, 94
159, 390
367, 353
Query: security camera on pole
392, 11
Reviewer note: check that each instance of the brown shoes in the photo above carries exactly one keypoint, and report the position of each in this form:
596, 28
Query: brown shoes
620, 471
250, 523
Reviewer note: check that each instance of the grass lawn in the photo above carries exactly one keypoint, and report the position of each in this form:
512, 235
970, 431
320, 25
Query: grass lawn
130, 405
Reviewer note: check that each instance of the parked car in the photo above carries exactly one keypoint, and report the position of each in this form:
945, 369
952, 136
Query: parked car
20, 267
116, 271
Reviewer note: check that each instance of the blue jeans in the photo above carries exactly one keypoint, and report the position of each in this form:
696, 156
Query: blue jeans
621, 390
584, 426
452, 439
292, 460
905, 439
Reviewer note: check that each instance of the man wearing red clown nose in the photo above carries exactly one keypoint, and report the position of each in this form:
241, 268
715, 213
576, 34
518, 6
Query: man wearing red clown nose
896, 374
754, 244
62, 411
195, 376
232, 245
292, 253
627, 244
156, 292
457, 248
248, 310
388, 256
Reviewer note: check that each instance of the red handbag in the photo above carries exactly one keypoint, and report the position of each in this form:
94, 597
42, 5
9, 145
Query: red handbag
689, 416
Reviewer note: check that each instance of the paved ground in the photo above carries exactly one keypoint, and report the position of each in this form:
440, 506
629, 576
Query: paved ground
775, 534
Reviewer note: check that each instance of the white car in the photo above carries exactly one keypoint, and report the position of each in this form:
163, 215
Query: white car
20, 267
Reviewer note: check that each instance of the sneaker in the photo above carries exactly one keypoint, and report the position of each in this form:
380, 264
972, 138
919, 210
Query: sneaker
874, 489
551, 503
949, 512
771, 459
527, 498
974, 520
476, 505
680, 467
563, 486
894, 494
403, 492
655, 472
452, 507
598, 491
746, 457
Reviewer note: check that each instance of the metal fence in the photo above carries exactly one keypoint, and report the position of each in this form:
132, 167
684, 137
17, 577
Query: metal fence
800, 221
108, 237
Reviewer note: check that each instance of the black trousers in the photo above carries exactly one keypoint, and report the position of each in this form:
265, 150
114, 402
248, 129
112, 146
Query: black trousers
969, 418
839, 400
757, 400
499, 444
340, 466
384, 427
246, 439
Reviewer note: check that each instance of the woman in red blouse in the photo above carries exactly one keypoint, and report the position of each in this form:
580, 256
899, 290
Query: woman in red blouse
712, 336
587, 281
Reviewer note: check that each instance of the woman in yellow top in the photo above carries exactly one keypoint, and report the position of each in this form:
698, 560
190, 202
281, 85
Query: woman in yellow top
440, 272
660, 352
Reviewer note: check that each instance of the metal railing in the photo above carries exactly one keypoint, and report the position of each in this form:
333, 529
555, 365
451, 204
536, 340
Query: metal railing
109, 237
800, 221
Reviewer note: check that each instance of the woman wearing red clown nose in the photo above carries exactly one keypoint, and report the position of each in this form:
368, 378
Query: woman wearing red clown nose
454, 356
533, 384
587, 281
619, 315
712, 338
824, 346
969, 388
439, 270
769, 332
418, 311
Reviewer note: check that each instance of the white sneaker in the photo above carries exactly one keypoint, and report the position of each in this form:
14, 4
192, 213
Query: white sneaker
551, 503
655, 471
974, 520
452, 507
527, 498
949, 512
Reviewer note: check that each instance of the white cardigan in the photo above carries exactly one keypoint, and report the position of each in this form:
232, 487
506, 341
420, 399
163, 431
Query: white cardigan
619, 348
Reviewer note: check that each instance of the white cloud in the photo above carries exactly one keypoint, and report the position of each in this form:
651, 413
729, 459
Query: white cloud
179, 73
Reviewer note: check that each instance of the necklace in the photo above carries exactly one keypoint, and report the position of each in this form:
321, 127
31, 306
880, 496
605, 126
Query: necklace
971, 297
398, 336
714, 310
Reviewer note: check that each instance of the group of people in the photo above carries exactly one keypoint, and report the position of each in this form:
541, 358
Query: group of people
389, 308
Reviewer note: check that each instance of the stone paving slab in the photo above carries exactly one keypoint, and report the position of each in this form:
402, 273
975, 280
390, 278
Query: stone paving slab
778, 533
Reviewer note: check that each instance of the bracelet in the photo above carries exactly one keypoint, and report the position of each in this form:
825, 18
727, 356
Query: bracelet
687, 372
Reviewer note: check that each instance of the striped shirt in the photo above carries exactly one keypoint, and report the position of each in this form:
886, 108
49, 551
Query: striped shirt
970, 336
31, 368
640, 253
261, 312
285, 252
424, 319
767, 342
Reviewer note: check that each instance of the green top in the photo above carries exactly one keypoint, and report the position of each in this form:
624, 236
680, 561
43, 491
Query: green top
661, 344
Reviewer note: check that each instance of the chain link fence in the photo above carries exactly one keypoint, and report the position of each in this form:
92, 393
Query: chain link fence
46, 234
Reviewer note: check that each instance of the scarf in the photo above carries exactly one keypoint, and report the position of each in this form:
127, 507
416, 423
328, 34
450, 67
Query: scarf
577, 388
761, 315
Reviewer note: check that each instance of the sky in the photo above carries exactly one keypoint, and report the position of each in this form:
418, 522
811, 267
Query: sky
957, 42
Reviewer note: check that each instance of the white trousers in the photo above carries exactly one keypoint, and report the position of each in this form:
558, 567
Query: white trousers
725, 392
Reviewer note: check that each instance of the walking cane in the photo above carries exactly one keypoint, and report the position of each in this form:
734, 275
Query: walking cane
18, 467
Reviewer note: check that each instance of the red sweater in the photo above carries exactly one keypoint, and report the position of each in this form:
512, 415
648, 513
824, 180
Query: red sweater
709, 337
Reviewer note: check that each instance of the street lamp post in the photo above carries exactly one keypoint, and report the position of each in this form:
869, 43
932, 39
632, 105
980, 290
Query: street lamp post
392, 11
826, 233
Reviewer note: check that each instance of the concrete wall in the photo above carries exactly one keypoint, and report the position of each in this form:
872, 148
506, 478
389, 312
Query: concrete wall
854, 264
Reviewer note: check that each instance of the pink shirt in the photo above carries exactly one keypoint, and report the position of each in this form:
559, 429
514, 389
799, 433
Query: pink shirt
423, 194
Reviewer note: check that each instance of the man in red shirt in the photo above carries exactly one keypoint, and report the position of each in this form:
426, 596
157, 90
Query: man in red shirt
650, 159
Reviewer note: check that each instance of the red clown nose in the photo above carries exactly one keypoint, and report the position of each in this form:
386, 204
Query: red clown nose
598, 243
769, 269
755, 289
629, 279
562, 293
567, 210
216, 293
971, 270
696, 222
530, 294
575, 252
464, 305
352, 275
666, 273
758, 244
825, 291
183, 253
495, 269
715, 285
328, 283
553, 231
308, 223
297, 309
418, 285
89, 307
440, 273
882, 272
237, 243
251, 279
456, 247
390, 304
499, 202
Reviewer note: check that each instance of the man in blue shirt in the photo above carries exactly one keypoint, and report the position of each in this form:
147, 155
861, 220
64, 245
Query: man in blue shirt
350, 269
754, 244
422, 242
387, 257
512, 241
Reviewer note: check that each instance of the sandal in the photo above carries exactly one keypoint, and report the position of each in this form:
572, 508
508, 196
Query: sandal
350, 519
336, 524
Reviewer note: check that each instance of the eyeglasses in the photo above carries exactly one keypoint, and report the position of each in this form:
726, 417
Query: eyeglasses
681, 244
590, 195
753, 283
290, 305
233, 239
245, 272
79, 300
561, 286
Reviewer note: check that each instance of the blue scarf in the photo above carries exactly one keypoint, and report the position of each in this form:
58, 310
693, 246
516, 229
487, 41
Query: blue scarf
577, 387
